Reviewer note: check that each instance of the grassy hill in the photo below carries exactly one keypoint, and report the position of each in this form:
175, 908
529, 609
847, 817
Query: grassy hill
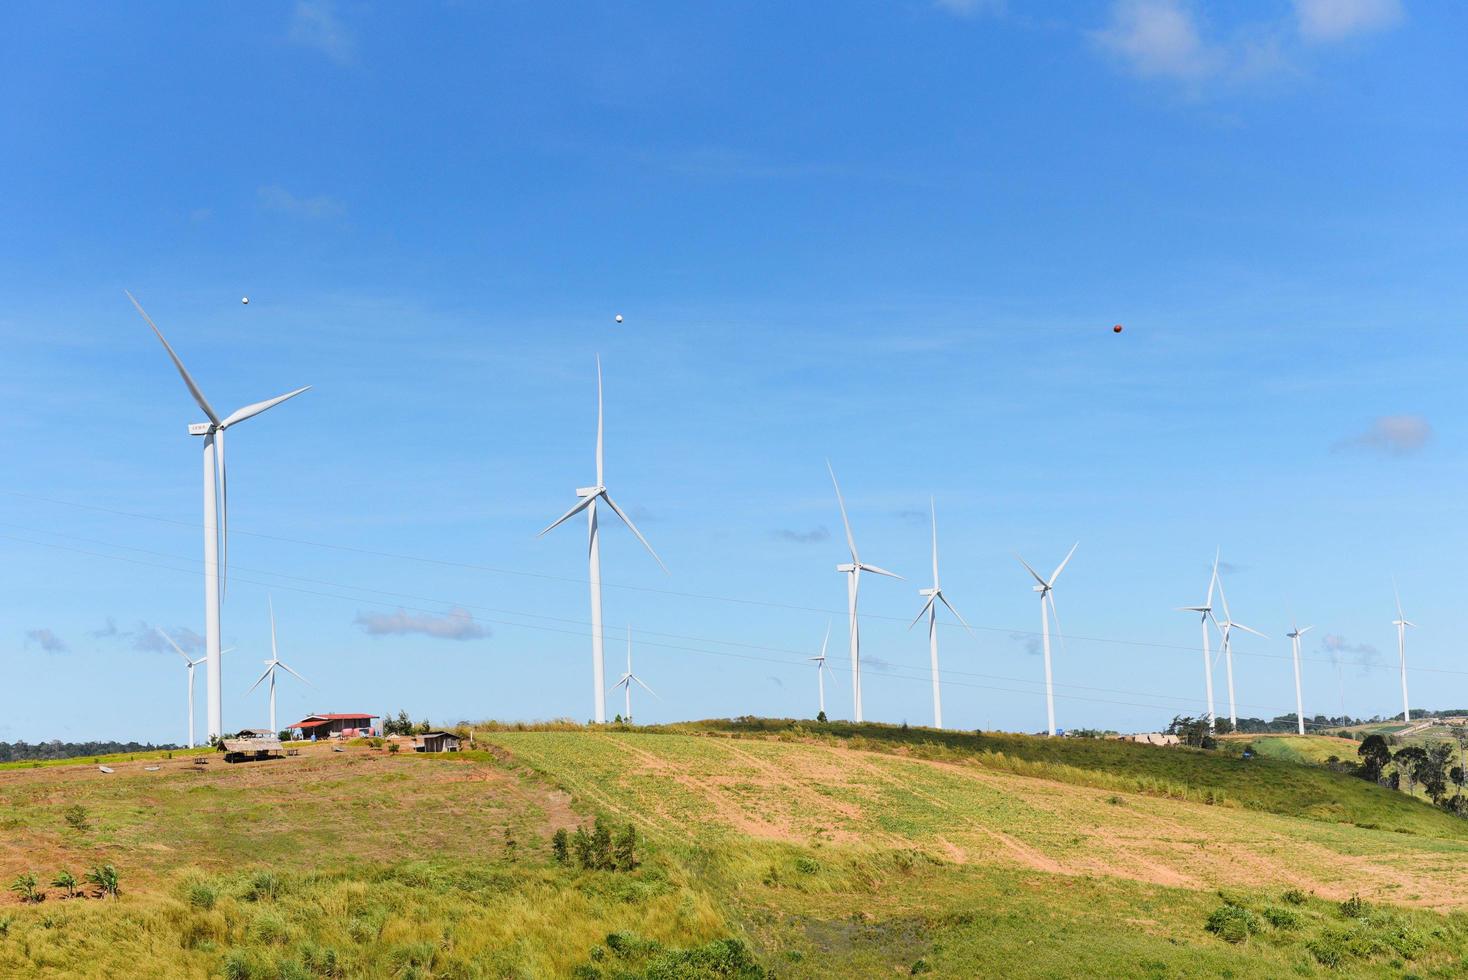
764, 848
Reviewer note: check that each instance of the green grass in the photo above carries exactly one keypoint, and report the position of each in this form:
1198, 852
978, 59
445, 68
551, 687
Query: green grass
766, 850
106, 760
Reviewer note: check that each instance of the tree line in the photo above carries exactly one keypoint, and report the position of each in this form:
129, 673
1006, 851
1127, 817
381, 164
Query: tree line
23, 751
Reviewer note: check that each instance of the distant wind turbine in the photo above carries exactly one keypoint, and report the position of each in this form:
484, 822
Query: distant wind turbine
271, 666
1294, 636
1046, 588
588, 496
852, 570
821, 667
1205, 612
216, 518
930, 609
191, 664
628, 679
1401, 623
1226, 628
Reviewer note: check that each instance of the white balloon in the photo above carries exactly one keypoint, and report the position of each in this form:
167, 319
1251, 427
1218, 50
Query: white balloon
245, 300
619, 318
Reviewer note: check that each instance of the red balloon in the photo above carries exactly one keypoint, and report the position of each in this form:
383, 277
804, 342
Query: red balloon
1116, 329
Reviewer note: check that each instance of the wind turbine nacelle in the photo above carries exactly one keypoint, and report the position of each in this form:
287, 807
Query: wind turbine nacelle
198, 428
588, 491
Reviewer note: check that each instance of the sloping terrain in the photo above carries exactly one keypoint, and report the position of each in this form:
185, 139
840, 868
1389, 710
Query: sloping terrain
764, 848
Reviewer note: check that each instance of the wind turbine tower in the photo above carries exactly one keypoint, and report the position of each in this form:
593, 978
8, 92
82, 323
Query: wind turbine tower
1401, 623
1226, 628
587, 500
628, 679
1205, 612
1294, 636
216, 518
930, 609
271, 666
1046, 588
821, 668
852, 570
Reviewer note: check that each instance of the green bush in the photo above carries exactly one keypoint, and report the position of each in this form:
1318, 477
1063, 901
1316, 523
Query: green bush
806, 866
1281, 918
1294, 896
202, 895
1232, 923
1329, 950
263, 886
561, 846
24, 885
105, 877
76, 818
1354, 907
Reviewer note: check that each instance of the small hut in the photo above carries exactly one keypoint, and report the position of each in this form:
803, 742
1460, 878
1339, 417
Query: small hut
436, 742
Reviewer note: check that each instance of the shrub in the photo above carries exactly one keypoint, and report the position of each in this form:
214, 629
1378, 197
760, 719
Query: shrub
561, 846
263, 886
65, 880
1354, 907
601, 845
1294, 896
24, 885
76, 818
1328, 950
806, 866
202, 895
1232, 923
5, 921
105, 877
1281, 918
921, 966
510, 843
625, 849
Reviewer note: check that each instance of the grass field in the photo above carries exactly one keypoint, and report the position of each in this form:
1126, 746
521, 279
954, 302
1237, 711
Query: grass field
766, 849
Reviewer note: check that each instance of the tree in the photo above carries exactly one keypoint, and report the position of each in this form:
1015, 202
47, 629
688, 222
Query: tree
625, 848
601, 846
1407, 760
104, 876
25, 886
1192, 731
66, 880
821, 717
1374, 754
1432, 770
560, 846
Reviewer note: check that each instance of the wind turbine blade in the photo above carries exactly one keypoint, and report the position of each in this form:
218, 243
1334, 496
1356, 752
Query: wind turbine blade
1223, 598
933, 506
250, 411
1307, 629
955, 612
826, 640
600, 479
270, 601
165, 636
1056, 614
182, 371
286, 667
580, 506
1398, 595
926, 606
881, 571
1246, 629
646, 688
841, 502
633, 528
1061, 567
261, 679
1032, 572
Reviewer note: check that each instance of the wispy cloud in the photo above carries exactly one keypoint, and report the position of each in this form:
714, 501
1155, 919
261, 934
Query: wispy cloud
814, 536
1343, 651
314, 24
456, 624
46, 640
1334, 20
1158, 38
911, 515
1390, 435
146, 639
1029, 641
968, 8
107, 631
273, 197
878, 664
1229, 568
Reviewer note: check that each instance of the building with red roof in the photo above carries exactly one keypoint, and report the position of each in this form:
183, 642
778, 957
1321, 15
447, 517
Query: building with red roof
347, 725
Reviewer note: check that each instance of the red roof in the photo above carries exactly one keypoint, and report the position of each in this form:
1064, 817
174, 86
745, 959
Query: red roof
312, 721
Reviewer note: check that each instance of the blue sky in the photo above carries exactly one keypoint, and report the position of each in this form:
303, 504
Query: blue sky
892, 234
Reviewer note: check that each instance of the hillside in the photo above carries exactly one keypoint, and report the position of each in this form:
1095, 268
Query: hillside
764, 849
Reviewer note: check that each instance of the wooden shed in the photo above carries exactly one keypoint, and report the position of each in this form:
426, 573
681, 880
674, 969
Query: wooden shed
436, 742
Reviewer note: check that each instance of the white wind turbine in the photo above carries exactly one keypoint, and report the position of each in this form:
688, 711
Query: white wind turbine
271, 665
821, 668
852, 570
1401, 623
930, 609
1294, 636
1226, 628
191, 664
1046, 588
1205, 612
216, 519
587, 502
628, 679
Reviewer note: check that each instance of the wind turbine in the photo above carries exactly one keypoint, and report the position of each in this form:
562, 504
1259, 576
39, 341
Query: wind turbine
271, 665
1205, 612
852, 570
1046, 588
1226, 628
1401, 623
1294, 636
216, 518
191, 664
930, 609
821, 667
628, 679
588, 496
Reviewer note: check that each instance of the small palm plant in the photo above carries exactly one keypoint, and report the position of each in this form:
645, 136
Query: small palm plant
25, 886
104, 876
66, 880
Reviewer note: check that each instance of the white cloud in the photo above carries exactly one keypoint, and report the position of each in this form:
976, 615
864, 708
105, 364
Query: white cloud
1391, 435
314, 24
1158, 38
456, 624
967, 8
276, 198
1332, 20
